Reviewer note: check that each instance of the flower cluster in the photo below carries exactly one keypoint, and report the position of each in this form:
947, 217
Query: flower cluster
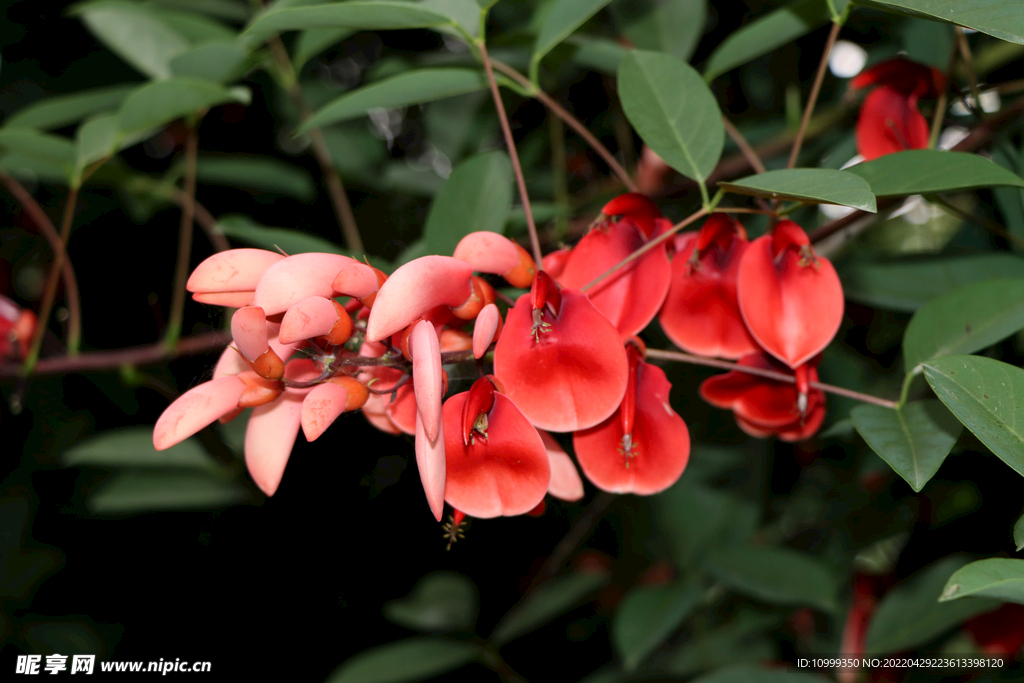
316, 335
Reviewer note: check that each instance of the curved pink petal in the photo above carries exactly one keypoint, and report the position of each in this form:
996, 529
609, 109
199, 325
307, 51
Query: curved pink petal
414, 289
308, 318
356, 280
195, 409
296, 277
506, 473
234, 270
488, 252
229, 299
249, 330
229, 363
430, 459
269, 439
321, 408
426, 376
484, 329
402, 410
565, 480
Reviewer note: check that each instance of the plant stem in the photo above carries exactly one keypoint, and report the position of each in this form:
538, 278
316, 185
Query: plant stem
570, 121
67, 271
335, 188
207, 223
177, 312
644, 249
940, 106
50, 291
980, 221
972, 77
813, 99
745, 149
767, 374
577, 534
511, 144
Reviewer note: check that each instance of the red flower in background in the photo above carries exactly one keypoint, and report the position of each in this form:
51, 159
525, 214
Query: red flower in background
889, 120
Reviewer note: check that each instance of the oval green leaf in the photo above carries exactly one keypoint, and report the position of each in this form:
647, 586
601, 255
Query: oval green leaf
776, 575
648, 615
547, 601
997, 577
808, 185
914, 439
910, 614
415, 659
412, 87
1018, 533
765, 34
477, 196
288, 240
673, 111
313, 41
43, 146
265, 174
998, 18
133, 447
965, 320
442, 601
135, 490
561, 19
908, 284
984, 395
62, 110
218, 62
135, 33
929, 171
156, 104
380, 15
673, 27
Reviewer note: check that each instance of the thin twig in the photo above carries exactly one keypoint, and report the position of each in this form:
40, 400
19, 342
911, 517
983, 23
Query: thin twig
50, 291
972, 77
206, 222
572, 122
813, 99
46, 227
940, 106
645, 248
745, 148
335, 188
767, 374
742, 209
510, 142
177, 311
982, 222
577, 534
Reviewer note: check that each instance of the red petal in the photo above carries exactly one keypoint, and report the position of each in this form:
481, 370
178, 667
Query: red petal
505, 474
573, 376
637, 207
321, 408
484, 329
904, 76
565, 480
308, 318
889, 122
356, 280
488, 252
426, 376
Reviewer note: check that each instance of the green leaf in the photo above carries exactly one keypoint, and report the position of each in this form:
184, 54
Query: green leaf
98, 138
965, 320
265, 174
673, 111
726, 519
135, 33
137, 490
776, 575
313, 41
906, 285
477, 196
749, 673
547, 601
671, 26
984, 395
233, 10
218, 62
43, 146
33, 169
597, 53
914, 439
442, 601
740, 640
765, 34
414, 659
379, 15
562, 18
1018, 533
996, 577
998, 18
195, 27
412, 87
62, 110
291, 241
156, 104
810, 185
133, 447
648, 615
910, 614
929, 171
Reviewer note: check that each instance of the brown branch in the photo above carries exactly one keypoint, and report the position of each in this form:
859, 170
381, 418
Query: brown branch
813, 99
746, 150
177, 311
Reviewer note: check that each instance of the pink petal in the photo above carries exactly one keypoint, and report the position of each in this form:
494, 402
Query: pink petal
488, 252
229, 299
230, 363
426, 375
430, 460
484, 329
566, 483
310, 317
355, 279
416, 288
269, 439
296, 277
234, 270
321, 408
249, 330
195, 409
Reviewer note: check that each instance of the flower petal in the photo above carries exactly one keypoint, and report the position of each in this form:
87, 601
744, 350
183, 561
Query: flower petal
356, 280
484, 329
414, 289
296, 277
321, 408
426, 376
249, 330
195, 409
308, 318
269, 439
565, 480
235, 270
430, 459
